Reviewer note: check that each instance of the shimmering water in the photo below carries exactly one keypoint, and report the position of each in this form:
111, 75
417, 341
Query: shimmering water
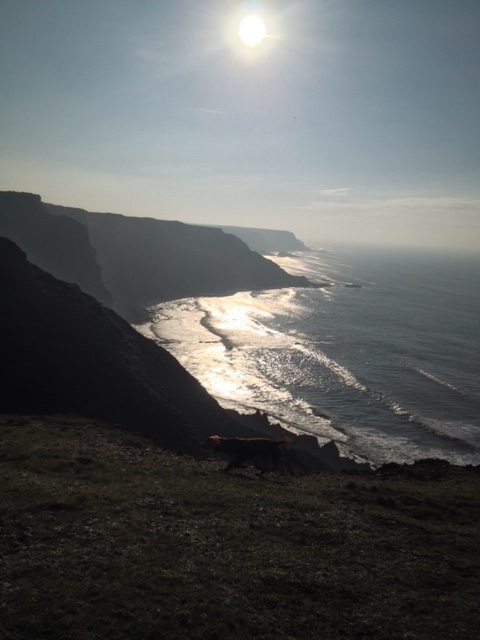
384, 360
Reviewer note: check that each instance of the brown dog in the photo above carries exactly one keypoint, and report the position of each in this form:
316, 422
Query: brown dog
259, 450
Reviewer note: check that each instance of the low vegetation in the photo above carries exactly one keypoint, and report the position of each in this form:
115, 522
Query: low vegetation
105, 535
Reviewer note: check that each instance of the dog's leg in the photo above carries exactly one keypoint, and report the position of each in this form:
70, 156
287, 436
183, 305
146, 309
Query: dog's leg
236, 463
275, 458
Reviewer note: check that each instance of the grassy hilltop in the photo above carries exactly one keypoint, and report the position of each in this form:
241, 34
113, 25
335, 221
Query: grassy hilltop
105, 535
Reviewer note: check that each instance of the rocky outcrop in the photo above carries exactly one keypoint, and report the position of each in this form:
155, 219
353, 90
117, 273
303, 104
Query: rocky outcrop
303, 453
57, 244
63, 352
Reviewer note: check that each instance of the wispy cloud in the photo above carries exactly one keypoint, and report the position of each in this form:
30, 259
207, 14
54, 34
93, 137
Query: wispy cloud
342, 191
405, 205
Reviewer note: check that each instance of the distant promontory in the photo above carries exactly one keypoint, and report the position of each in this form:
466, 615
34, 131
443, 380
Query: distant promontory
266, 241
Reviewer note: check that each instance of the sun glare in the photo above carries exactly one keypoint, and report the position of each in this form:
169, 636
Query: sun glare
252, 30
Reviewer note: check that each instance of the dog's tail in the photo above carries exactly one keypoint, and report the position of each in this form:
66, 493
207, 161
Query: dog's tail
288, 438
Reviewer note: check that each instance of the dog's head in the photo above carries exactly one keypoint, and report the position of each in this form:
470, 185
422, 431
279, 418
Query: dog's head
213, 442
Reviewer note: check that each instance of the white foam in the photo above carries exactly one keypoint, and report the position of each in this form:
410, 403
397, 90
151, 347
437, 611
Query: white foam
340, 371
447, 385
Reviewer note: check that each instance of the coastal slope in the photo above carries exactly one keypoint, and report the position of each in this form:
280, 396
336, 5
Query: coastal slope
64, 352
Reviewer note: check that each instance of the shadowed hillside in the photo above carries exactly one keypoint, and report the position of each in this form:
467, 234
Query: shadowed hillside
62, 351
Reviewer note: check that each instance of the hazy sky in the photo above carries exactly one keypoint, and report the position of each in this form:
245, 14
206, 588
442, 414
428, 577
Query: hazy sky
353, 120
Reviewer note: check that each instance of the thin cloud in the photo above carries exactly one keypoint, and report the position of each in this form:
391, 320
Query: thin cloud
394, 206
333, 192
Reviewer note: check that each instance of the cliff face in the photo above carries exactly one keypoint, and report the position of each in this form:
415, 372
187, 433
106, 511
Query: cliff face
145, 260
59, 245
129, 263
63, 352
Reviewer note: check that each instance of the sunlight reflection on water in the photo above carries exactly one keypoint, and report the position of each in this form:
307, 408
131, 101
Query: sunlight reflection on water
331, 362
243, 362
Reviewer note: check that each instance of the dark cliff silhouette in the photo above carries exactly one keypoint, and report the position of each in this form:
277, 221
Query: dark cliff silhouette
59, 245
145, 260
63, 352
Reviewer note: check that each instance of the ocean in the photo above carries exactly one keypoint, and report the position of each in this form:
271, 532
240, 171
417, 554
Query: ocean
384, 358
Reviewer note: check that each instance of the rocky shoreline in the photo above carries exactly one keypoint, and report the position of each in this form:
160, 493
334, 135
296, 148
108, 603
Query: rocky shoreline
311, 457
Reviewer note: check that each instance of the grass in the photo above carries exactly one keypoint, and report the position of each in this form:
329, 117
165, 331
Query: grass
104, 535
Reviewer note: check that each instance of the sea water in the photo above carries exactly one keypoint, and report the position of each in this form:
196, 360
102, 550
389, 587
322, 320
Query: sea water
383, 358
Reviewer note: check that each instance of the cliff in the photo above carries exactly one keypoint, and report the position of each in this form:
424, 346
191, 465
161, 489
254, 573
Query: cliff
57, 244
128, 263
63, 352
145, 260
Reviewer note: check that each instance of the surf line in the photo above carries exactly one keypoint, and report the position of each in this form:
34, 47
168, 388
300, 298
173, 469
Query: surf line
448, 385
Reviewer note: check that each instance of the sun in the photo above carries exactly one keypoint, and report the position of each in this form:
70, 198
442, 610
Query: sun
252, 30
